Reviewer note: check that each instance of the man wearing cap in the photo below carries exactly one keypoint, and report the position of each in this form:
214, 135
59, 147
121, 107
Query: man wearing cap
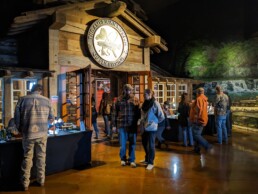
127, 113
199, 118
32, 114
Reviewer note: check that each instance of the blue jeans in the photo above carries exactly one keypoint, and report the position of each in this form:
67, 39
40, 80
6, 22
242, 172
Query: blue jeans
228, 122
95, 126
187, 135
221, 128
123, 137
107, 126
161, 128
199, 140
148, 142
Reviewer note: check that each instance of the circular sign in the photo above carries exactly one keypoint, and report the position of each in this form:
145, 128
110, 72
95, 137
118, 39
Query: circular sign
108, 43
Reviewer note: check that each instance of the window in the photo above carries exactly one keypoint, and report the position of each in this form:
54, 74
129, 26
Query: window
140, 83
182, 88
159, 92
171, 94
20, 87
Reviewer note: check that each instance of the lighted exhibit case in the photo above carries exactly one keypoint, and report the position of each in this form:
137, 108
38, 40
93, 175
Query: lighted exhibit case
67, 150
68, 147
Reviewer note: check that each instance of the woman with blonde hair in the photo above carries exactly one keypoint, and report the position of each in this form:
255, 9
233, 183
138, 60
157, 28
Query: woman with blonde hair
183, 119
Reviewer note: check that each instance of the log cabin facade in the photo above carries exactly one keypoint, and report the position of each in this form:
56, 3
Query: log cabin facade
86, 41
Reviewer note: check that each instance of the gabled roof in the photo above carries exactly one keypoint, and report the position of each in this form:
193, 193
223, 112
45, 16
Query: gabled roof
29, 19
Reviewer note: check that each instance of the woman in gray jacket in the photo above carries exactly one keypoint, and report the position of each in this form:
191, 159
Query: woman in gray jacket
152, 114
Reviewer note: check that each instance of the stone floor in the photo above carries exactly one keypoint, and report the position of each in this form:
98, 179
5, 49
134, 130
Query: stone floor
231, 169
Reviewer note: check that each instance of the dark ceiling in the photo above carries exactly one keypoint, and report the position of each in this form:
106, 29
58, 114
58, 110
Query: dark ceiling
178, 22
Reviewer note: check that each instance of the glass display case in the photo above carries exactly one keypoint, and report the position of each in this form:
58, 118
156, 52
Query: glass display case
71, 97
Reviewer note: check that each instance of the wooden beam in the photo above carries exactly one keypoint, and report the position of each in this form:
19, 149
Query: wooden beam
72, 29
16, 32
156, 49
30, 18
19, 28
13, 25
152, 41
111, 10
115, 9
136, 40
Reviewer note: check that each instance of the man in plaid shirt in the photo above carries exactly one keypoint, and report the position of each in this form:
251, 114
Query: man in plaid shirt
32, 114
127, 113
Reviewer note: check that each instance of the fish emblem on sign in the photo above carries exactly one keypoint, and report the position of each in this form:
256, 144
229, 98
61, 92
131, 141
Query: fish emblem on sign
108, 43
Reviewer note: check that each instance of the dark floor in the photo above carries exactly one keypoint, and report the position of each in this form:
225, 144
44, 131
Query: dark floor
233, 168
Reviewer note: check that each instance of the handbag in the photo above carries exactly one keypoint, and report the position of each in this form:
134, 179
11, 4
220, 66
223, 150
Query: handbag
151, 122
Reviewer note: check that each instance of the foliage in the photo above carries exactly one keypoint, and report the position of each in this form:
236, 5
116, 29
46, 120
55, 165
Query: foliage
232, 59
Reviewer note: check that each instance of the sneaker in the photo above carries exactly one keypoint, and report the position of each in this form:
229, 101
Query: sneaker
149, 167
123, 163
133, 165
143, 162
210, 150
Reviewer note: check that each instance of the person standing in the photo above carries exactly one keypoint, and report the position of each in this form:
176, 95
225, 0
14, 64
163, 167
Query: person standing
220, 112
163, 125
151, 117
229, 116
94, 117
105, 110
127, 113
183, 120
199, 118
32, 114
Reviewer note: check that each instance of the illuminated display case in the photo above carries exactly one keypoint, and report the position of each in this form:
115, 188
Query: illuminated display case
71, 97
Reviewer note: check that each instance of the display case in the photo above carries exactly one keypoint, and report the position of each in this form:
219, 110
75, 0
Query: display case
71, 97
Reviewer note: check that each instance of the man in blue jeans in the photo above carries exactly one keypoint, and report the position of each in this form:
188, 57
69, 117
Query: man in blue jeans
199, 118
220, 111
127, 113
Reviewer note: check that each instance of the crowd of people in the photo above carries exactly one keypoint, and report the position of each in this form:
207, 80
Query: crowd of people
128, 117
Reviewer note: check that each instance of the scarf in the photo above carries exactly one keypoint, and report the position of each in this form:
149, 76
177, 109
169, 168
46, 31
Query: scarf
147, 104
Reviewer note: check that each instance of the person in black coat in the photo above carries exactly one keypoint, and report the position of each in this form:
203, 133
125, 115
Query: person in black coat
183, 120
94, 119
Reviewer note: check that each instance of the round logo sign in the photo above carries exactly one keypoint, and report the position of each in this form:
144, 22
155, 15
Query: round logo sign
108, 43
